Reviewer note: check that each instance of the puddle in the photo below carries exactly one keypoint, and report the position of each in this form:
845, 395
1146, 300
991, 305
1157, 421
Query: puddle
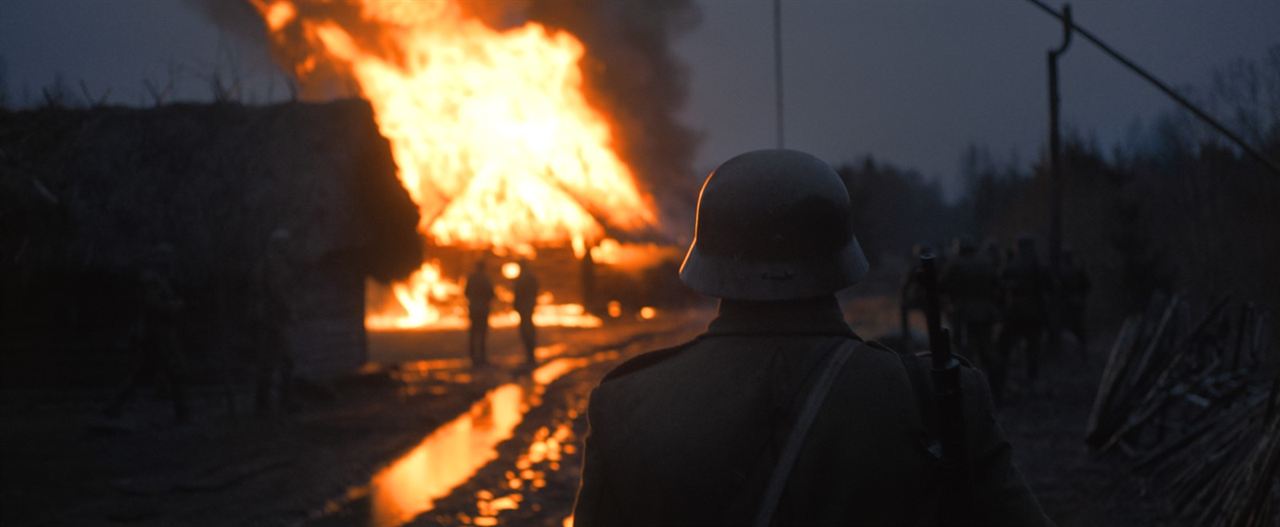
451, 455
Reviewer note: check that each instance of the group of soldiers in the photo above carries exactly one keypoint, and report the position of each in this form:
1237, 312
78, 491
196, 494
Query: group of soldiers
987, 290
480, 294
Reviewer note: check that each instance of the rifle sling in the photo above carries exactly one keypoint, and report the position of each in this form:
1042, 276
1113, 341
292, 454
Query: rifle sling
804, 421
926, 403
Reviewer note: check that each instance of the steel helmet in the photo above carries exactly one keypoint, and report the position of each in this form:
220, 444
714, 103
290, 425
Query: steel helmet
773, 225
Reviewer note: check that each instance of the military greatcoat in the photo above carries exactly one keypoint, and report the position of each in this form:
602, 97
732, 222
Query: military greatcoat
690, 435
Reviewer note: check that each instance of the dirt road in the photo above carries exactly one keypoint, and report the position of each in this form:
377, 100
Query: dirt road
425, 440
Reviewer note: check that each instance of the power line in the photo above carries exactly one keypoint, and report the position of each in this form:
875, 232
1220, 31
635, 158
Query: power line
1178, 98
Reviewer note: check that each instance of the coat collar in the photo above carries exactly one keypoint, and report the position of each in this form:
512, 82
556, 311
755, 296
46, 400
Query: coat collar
811, 316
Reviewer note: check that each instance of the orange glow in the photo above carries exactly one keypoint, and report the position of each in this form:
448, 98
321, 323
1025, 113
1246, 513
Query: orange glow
631, 257
490, 130
451, 454
647, 313
430, 300
615, 308
280, 13
511, 270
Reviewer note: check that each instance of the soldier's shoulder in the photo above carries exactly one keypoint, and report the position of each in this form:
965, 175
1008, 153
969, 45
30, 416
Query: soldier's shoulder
876, 345
644, 361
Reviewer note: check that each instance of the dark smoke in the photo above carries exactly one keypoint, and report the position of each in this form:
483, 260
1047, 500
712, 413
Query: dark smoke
632, 74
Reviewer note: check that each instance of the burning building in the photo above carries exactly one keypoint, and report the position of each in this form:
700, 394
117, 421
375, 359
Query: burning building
535, 130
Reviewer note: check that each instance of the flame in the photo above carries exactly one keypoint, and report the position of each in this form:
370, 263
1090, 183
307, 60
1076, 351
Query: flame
631, 257
511, 270
428, 299
490, 129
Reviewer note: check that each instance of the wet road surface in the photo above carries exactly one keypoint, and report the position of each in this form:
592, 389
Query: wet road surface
512, 458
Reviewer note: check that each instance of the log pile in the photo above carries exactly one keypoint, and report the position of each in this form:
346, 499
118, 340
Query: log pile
1184, 398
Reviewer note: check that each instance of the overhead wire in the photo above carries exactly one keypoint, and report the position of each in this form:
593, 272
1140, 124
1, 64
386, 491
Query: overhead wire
1162, 86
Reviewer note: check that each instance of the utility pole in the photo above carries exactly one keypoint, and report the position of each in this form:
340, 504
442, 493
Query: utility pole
777, 68
1249, 150
1055, 189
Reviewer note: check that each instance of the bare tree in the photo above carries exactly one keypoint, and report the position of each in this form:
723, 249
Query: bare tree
4, 84
56, 94
89, 99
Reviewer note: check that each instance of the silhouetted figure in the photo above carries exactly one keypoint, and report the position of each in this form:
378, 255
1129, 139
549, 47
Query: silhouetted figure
993, 254
273, 315
1025, 284
779, 414
911, 296
972, 286
1075, 296
156, 340
479, 293
526, 298
588, 272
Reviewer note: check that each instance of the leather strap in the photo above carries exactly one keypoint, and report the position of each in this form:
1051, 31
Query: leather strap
795, 440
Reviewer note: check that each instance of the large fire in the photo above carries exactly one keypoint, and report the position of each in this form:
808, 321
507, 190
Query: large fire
490, 129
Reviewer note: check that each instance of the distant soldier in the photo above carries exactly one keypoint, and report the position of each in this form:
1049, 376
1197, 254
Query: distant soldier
156, 339
273, 316
972, 286
779, 414
911, 296
1075, 296
588, 272
526, 298
992, 251
479, 293
1025, 284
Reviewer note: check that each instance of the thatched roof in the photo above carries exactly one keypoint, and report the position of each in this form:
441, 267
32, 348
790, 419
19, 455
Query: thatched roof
101, 188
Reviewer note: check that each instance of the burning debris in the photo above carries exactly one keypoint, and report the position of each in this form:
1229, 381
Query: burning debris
1188, 409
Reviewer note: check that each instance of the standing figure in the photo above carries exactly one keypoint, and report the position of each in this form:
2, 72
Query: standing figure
1075, 296
273, 316
1025, 285
526, 298
973, 288
993, 254
479, 293
911, 297
156, 339
779, 414
588, 277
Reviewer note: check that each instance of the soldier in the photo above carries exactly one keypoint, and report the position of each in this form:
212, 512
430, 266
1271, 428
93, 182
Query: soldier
273, 315
992, 250
1075, 295
526, 298
155, 337
779, 413
479, 293
588, 279
1025, 284
973, 288
911, 297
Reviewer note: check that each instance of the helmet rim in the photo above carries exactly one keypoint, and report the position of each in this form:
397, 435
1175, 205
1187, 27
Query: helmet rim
738, 278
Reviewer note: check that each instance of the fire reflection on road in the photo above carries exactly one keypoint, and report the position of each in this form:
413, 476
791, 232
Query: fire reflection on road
446, 458
452, 454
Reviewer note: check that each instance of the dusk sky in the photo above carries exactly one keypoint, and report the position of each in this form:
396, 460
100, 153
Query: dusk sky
912, 82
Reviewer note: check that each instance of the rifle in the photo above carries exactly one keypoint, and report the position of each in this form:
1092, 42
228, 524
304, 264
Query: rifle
948, 398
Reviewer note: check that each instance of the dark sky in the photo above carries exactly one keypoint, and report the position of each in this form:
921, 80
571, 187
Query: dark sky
910, 81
